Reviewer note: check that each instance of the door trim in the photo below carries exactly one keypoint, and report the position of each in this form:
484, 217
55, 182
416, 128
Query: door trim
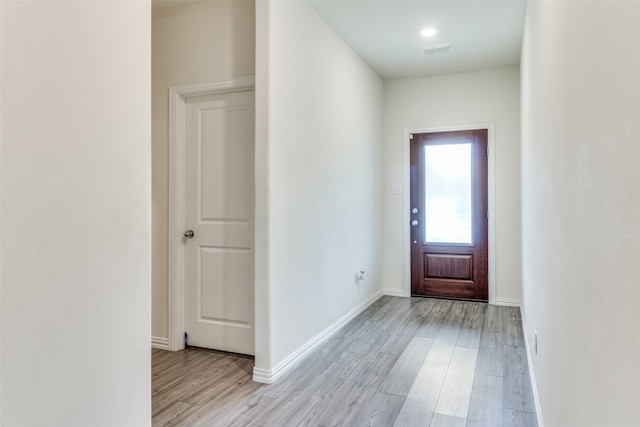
177, 118
406, 214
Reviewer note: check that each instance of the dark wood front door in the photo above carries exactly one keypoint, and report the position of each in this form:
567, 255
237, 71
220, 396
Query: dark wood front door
449, 227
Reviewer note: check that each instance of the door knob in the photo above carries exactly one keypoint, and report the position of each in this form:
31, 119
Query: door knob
188, 234
414, 223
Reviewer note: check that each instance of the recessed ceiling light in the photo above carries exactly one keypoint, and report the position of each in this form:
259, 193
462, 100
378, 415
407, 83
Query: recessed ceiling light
428, 32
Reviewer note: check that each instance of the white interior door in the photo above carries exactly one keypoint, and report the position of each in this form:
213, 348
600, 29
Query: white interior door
219, 210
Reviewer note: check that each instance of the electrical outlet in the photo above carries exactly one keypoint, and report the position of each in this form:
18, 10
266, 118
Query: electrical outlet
535, 341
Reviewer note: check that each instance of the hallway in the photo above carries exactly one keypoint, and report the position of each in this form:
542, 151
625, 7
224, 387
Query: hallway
402, 362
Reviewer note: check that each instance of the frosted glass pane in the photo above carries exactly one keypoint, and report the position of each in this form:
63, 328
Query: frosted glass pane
447, 193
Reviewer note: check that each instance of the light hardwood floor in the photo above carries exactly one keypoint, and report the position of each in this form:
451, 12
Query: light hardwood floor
402, 362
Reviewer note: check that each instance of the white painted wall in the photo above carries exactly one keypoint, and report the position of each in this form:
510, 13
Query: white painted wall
487, 96
322, 117
75, 220
580, 209
193, 41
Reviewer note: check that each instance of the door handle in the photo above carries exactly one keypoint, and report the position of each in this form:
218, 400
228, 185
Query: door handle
414, 223
188, 234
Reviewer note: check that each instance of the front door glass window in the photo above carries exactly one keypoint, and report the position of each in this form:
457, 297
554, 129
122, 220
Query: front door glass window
448, 197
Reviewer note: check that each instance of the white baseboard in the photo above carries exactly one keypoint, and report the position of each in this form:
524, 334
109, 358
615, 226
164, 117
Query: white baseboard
393, 292
509, 302
160, 343
534, 386
262, 376
267, 376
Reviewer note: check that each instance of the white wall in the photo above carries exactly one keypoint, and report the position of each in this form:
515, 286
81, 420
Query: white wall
487, 96
75, 220
580, 209
193, 41
323, 116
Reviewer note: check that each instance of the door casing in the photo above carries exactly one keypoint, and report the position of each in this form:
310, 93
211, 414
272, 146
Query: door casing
406, 213
177, 220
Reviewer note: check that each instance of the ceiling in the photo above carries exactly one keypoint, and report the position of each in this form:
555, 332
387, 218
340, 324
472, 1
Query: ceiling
386, 33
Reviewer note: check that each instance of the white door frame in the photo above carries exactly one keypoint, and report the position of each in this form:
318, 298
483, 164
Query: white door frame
406, 214
177, 118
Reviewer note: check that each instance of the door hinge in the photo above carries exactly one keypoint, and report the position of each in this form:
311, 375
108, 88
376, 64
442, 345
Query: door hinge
487, 151
487, 213
410, 136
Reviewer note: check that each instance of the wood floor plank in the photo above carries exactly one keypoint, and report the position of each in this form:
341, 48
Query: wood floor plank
420, 404
335, 412
490, 353
512, 327
517, 391
442, 420
354, 368
358, 356
216, 372
443, 346
512, 333
243, 414
381, 411
471, 327
396, 344
346, 404
345, 407
393, 321
434, 319
217, 388
425, 306
403, 374
458, 311
512, 313
364, 317
296, 399
239, 412
513, 418
458, 383
408, 325
364, 331
309, 410
429, 327
181, 380
158, 355
177, 369
492, 317
485, 407
332, 349
418, 310
173, 414
378, 371
451, 324
227, 406
180, 367
388, 305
